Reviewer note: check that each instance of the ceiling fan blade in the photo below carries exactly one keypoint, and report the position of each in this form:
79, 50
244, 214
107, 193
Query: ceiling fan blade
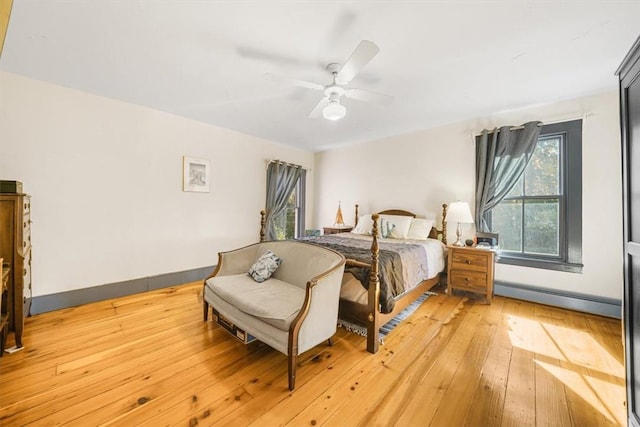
365, 95
360, 57
301, 83
317, 110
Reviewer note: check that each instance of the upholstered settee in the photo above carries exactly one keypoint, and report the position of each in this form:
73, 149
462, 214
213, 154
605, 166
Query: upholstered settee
292, 311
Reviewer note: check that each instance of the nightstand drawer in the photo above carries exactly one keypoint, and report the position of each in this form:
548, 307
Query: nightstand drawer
469, 279
469, 260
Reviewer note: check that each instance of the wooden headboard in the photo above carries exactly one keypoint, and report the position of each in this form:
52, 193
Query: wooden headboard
435, 233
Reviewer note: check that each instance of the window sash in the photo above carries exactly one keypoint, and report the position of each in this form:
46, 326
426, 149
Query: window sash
569, 205
523, 200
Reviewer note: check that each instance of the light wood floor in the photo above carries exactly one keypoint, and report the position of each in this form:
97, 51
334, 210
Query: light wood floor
149, 359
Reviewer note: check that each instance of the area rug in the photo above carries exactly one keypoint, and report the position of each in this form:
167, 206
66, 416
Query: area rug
387, 327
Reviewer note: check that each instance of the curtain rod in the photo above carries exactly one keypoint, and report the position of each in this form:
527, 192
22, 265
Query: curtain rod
497, 130
540, 124
269, 161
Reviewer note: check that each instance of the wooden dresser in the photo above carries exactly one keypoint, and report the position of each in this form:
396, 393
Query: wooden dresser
471, 270
15, 248
4, 305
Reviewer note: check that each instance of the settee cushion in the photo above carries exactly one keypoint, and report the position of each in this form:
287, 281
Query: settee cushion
264, 267
273, 301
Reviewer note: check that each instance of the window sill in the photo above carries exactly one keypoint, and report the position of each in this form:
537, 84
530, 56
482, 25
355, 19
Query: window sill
567, 267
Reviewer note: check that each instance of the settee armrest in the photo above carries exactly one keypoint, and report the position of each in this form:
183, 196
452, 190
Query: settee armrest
318, 319
237, 261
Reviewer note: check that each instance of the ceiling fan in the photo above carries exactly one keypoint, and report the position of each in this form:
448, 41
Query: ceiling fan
342, 74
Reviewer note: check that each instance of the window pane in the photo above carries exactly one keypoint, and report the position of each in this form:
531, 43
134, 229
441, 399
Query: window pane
541, 218
516, 191
285, 223
542, 176
506, 220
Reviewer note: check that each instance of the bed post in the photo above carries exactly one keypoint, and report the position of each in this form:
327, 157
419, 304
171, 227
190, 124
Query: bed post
262, 223
356, 221
444, 223
374, 292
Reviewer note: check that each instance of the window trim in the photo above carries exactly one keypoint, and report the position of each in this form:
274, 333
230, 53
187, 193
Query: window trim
570, 245
301, 202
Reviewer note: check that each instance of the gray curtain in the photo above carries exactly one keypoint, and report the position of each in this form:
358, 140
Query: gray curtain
281, 181
501, 158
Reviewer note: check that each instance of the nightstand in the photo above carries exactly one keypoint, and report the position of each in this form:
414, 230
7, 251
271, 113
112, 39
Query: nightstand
336, 230
471, 269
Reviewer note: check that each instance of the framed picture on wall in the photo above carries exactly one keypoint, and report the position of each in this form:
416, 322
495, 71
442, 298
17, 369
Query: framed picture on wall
195, 175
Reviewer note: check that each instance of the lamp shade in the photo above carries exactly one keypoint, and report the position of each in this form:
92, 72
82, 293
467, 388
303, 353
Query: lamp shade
334, 111
459, 212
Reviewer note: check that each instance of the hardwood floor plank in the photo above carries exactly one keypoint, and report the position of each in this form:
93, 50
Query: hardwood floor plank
395, 402
374, 373
548, 388
405, 353
520, 401
149, 360
436, 380
602, 394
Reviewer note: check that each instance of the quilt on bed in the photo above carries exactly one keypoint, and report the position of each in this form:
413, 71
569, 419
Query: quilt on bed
402, 265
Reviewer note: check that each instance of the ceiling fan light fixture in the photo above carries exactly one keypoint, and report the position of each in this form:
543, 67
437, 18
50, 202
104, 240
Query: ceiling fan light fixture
334, 111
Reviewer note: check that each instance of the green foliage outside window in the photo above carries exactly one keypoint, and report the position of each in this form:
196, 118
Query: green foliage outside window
528, 218
285, 223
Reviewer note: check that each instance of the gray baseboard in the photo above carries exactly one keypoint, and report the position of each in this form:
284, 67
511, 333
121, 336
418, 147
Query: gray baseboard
45, 303
608, 307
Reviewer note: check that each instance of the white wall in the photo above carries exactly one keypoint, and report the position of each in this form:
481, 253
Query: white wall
106, 182
422, 170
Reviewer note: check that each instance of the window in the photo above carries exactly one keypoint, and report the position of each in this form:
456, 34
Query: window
290, 223
540, 221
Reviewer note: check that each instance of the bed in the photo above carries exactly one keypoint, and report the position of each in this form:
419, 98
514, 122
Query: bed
389, 265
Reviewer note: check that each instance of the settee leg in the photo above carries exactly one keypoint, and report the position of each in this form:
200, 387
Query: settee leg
330, 341
292, 371
205, 312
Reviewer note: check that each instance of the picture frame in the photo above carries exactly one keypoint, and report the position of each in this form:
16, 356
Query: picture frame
195, 174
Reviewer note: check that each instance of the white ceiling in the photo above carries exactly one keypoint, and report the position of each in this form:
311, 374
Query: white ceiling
443, 61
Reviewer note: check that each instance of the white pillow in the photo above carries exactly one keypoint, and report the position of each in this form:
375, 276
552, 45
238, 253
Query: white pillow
420, 228
364, 226
400, 223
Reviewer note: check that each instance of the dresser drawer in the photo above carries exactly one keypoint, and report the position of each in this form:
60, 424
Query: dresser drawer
469, 279
26, 276
469, 260
26, 233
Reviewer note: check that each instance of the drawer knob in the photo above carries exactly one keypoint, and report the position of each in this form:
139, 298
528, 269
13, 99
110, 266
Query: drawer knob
468, 261
466, 279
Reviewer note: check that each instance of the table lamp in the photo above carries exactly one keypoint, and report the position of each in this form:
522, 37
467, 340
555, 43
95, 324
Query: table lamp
459, 212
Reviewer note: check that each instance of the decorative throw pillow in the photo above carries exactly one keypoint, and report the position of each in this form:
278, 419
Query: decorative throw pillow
265, 266
420, 229
386, 228
401, 225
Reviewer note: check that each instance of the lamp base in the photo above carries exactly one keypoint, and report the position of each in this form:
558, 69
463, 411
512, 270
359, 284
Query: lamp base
459, 241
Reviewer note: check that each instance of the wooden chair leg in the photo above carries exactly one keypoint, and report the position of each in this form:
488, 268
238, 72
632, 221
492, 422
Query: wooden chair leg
205, 307
292, 370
